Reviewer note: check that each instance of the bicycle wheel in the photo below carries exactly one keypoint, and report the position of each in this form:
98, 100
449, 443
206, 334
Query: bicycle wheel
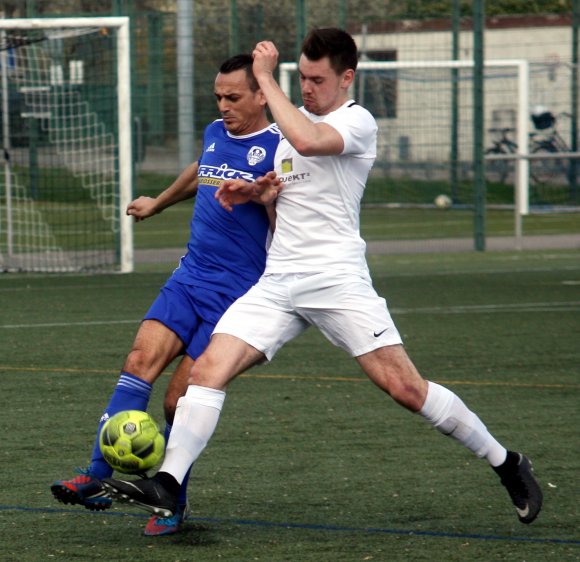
497, 171
549, 170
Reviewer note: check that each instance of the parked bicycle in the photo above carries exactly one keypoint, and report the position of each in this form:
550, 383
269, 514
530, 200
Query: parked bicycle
547, 140
544, 140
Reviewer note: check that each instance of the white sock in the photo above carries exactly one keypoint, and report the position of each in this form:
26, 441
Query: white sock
449, 415
196, 418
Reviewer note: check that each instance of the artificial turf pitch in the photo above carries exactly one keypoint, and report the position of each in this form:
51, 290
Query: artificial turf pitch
310, 461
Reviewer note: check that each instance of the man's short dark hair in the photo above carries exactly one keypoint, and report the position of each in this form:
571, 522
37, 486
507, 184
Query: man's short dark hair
241, 62
336, 44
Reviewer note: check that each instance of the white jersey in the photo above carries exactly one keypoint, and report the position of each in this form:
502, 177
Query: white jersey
317, 224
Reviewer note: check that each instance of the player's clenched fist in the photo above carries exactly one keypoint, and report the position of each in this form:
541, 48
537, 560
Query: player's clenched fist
265, 58
141, 208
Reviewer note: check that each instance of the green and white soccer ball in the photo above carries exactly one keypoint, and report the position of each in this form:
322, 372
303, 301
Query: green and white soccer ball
131, 442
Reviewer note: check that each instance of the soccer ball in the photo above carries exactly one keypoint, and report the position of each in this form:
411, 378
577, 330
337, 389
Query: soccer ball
131, 442
443, 201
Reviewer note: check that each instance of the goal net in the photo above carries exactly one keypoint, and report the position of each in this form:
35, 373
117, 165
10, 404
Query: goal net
425, 144
65, 126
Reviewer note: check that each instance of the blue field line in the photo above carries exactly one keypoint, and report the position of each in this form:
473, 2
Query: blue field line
306, 526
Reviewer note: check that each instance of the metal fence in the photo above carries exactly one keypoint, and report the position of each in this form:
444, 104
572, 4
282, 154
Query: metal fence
425, 116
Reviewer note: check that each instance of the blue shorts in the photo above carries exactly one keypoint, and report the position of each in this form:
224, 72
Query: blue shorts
191, 312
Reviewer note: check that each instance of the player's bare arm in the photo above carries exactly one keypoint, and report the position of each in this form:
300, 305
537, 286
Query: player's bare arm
184, 187
308, 138
264, 191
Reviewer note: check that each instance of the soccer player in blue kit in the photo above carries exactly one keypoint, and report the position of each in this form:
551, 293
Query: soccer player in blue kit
226, 255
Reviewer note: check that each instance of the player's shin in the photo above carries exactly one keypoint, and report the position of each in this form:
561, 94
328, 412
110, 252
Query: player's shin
449, 415
196, 418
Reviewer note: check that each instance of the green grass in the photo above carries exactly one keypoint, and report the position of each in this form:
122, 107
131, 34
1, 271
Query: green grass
171, 228
310, 461
381, 190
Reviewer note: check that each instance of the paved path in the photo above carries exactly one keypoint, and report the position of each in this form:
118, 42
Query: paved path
493, 244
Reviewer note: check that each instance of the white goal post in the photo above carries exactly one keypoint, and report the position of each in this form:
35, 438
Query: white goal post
520, 99
67, 141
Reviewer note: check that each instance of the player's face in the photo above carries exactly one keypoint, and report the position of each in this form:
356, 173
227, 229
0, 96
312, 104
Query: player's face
242, 110
323, 90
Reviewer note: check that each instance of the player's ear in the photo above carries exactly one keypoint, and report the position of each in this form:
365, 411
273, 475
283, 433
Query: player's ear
261, 98
347, 78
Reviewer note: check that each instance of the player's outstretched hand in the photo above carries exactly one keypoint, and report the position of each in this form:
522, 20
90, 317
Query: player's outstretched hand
142, 208
234, 192
237, 192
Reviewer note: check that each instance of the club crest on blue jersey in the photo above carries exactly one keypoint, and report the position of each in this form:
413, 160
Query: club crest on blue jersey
255, 155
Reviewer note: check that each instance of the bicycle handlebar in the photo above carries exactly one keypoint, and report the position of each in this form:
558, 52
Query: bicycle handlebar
502, 130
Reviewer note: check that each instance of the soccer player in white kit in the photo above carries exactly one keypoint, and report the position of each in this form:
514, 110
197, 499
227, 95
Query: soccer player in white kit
316, 274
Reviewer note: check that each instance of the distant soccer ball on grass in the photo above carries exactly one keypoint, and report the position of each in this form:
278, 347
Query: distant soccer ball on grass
131, 442
443, 201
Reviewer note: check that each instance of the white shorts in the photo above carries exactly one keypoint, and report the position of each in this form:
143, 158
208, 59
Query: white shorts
343, 306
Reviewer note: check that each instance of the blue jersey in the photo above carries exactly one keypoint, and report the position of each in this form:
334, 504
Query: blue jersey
227, 250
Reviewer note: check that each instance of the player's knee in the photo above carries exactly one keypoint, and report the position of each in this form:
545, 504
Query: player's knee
409, 394
198, 372
141, 363
224, 359
202, 369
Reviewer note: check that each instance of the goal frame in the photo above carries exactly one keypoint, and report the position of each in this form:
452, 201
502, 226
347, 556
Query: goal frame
121, 24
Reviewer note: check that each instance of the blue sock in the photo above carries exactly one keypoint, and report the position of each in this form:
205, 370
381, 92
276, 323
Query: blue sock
131, 393
182, 500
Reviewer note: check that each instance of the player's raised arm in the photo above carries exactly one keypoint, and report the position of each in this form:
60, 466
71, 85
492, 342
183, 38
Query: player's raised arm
184, 187
307, 137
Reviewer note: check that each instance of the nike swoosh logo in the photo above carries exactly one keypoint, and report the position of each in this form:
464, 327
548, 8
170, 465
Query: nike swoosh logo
523, 512
377, 334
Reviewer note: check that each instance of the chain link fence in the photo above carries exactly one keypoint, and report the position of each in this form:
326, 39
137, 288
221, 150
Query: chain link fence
425, 114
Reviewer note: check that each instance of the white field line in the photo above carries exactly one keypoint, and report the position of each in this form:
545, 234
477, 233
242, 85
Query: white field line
43, 289
487, 308
69, 324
